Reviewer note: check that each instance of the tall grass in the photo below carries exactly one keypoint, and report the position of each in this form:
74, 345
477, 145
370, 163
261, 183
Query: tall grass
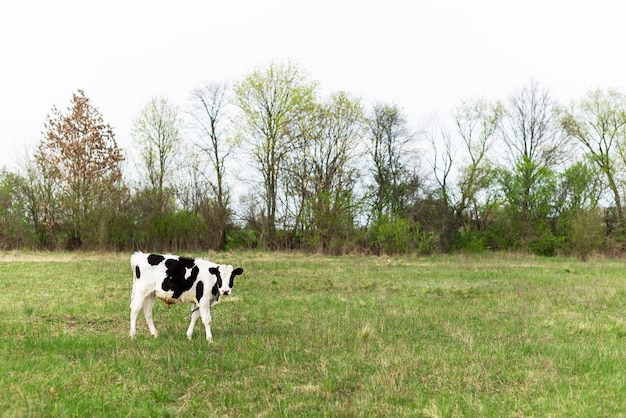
494, 335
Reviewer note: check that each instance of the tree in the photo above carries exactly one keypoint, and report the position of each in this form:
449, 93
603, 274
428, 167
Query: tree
477, 123
389, 139
530, 206
531, 129
438, 213
14, 225
598, 122
321, 171
535, 143
580, 222
207, 114
156, 131
42, 203
272, 101
79, 153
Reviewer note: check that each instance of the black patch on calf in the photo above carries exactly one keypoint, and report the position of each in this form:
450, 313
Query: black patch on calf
175, 275
137, 272
218, 283
155, 259
187, 262
199, 291
236, 272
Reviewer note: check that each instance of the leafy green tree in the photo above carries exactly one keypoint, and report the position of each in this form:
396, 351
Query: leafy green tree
529, 219
580, 221
272, 101
598, 122
580, 187
15, 231
156, 131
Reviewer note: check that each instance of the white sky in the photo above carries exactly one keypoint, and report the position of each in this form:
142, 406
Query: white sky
423, 55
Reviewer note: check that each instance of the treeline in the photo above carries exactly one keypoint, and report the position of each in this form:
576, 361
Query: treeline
271, 163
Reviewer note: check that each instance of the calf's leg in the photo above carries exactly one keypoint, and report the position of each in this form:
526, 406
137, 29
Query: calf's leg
195, 314
148, 304
135, 307
206, 320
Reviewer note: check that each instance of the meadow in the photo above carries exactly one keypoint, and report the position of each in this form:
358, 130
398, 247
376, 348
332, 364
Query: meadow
309, 335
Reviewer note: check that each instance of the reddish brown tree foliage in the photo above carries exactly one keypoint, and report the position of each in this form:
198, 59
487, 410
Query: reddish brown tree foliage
79, 154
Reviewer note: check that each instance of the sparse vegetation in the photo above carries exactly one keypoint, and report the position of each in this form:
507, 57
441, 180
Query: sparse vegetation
306, 335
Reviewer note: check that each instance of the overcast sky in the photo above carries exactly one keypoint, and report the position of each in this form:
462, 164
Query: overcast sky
425, 56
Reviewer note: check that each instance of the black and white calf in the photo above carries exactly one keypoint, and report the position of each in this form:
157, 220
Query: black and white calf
175, 279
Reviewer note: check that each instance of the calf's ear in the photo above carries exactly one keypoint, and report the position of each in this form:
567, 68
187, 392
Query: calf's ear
214, 270
238, 271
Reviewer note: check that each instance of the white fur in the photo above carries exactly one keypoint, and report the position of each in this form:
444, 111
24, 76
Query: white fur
149, 286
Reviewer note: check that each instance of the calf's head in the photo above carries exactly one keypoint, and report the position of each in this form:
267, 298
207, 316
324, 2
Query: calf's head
225, 275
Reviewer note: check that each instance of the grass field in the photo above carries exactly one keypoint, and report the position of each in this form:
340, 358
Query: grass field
494, 335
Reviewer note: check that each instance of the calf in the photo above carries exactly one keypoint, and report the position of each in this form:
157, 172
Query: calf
175, 279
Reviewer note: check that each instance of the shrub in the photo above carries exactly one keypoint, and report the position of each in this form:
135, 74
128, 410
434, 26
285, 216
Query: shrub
400, 236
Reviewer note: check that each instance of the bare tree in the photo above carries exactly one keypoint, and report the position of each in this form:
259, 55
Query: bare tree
442, 161
444, 220
207, 114
531, 129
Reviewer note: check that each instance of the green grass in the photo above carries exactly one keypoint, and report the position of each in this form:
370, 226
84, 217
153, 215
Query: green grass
495, 335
